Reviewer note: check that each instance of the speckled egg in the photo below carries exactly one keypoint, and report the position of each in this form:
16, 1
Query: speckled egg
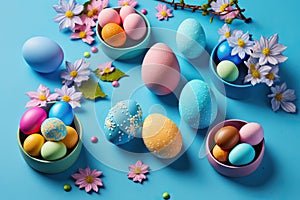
32, 120
160, 69
241, 154
224, 53
113, 35
53, 129
252, 133
53, 150
108, 15
63, 111
71, 138
197, 104
161, 136
125, 11
190, 38
123, 122
135, 26
33, 144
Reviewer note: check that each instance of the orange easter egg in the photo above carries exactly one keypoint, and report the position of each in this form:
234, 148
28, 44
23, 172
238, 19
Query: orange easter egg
71, 139
113, 34
33, 144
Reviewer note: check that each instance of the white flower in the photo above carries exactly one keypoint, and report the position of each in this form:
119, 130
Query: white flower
241, 44
257, 75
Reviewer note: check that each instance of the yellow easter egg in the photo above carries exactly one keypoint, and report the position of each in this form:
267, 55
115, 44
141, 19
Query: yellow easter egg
71, 139
33, 144
113, 34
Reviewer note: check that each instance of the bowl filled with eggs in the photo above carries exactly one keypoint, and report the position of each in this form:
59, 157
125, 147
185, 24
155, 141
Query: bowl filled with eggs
124, 33
235, 148
49, 138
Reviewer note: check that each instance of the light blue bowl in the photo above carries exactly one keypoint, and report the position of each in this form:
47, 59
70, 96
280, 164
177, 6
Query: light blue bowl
124, 53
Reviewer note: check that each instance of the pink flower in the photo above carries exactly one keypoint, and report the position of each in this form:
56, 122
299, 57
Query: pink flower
106, 68
41, 97
88, 179
137, 171
131, 3
163, 12
69, 95
230, 15
95, 7
83, 32
88, 21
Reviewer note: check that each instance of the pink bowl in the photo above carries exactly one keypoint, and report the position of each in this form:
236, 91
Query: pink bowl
230, 170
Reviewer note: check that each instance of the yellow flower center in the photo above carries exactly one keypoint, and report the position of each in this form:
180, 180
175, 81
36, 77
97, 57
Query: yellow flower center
106, 70
241, 42
137, 170
42, 97
95, 11
252, 66
227, 34
90, 14
89, 179
82, 34
73, 73
255, 73
164, 13
69, 14
266, 51
270, 76
278, 96
223, 7
125, 4
66, 98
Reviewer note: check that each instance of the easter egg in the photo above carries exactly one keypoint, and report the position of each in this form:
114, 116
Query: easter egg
123, 122
63, 111
227, 70
42, 54
53, 150
160, 69
251, 133
224, 53
53, 129
113, 34
32, 120
197, 104
33, 144
190, 38
125, 11
241, 154
227, 137
161, 136
108, 15
71, 138
135, 26
220, 154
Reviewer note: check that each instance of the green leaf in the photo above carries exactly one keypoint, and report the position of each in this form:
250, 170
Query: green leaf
113, 76
211, 19
91, 90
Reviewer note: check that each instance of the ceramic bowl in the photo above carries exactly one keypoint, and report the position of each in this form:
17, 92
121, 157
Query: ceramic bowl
131, 48
57, 166
230, 170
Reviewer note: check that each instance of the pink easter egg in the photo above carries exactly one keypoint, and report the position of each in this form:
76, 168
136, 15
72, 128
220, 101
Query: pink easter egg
32, 119
108, 15
125, 11
251, 133
135, 26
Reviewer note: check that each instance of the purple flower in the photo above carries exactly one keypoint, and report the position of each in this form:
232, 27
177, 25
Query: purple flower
257, 75
76, 72
241, 44
88, 179
163, 12
68, 14
106, 68
282, 97
84, 33
131, 3
268, 50
272, 76
69, 95
224, 32
41, 97
137, 171
229, 15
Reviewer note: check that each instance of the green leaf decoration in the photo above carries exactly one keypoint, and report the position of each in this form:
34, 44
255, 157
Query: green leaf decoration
91, 90
113, 76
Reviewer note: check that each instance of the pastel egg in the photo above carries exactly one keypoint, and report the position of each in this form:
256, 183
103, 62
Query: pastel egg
53, 150
224, 53
190, 38
53, 129
123, 122
108, 15
125, 11
220, 154
32, 120
227, 70
135, 26
161, 136
113, 34
252, 133
227, 137
161, 76
42, 54
63, 111
242, 154
33, 144
71, 138
197, 104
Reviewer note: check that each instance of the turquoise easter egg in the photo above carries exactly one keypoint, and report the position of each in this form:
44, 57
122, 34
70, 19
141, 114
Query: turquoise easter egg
241, 154
123, 122
224, 53
63, 111
53, 129
197, 104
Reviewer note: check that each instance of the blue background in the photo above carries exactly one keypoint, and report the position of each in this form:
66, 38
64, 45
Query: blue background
190, 177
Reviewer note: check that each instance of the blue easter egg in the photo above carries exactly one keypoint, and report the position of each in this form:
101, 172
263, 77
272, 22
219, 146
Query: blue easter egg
190, 38
42, 54
224, 53
63, 111
197, 104
123, 122
241, 154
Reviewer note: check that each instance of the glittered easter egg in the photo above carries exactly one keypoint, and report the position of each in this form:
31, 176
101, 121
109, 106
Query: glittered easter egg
113, 34
227, 70
197, 104
241, 154
161, 136
123, 122
33, 144
63, 111
53, 129
190, 38
108, 15
71, 138
252, 133
32, 120
53, 150
220, 154
125, 11
227, 137
135, 26
42, 54
224, 53
160, 69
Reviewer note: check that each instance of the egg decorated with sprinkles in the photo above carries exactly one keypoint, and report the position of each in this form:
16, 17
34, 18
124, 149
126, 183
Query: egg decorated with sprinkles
53, 129
123, 122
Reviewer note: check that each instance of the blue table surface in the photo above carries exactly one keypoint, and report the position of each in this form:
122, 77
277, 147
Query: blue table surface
189, 177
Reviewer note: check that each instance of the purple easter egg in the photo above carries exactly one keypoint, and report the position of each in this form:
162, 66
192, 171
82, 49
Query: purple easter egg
32, 120
252, 133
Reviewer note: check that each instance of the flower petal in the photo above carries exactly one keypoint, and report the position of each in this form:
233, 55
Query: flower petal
275, 104
288, 107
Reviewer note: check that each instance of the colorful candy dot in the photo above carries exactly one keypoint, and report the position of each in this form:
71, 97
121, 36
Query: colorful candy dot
94, 139
166, 195
115, 83
144, 11
67, 187
94, 49
86, 54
